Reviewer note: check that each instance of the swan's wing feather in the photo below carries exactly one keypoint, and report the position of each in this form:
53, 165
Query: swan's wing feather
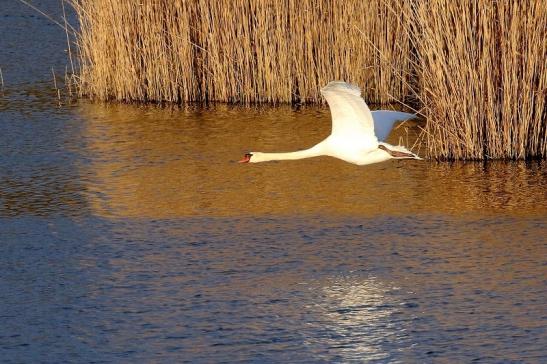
351, 117
341, 86
384, 120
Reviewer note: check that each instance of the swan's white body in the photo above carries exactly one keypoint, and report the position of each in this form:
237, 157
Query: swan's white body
357, 134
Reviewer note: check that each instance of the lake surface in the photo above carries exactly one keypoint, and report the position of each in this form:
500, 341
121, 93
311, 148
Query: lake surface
130, 233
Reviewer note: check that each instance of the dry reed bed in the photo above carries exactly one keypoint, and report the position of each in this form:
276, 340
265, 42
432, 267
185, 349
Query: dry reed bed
476, 68
238, 50
482, 69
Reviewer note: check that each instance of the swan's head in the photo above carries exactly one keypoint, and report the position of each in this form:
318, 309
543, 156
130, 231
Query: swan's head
247, 158
256, 157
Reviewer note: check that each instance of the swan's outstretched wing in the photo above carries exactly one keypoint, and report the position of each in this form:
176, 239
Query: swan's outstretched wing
384, 120
351, 117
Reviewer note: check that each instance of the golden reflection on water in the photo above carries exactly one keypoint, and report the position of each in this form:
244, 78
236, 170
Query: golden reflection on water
161, 163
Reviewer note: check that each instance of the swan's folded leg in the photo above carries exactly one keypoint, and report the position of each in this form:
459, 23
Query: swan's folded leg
399, 152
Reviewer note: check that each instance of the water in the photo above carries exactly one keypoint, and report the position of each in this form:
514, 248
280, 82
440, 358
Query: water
130, 233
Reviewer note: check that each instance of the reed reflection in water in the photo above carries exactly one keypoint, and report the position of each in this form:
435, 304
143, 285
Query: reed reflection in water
149, 162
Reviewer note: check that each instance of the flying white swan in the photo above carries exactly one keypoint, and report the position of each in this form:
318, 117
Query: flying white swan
357, 134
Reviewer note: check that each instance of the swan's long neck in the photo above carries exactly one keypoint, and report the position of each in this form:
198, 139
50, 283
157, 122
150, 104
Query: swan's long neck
300, 154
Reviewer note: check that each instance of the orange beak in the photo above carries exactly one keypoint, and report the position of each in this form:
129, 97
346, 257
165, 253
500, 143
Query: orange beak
246, 158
